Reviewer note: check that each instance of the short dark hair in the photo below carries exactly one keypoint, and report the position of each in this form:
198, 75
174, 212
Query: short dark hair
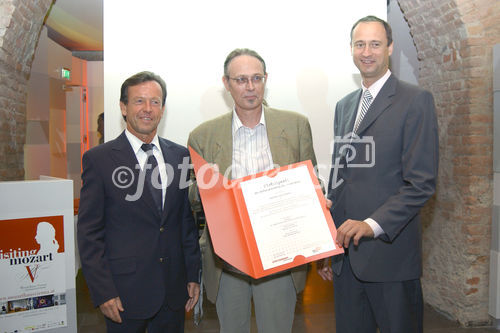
239, 52
140, 78
371, 18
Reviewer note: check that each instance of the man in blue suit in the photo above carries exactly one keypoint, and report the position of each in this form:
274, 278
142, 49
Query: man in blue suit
385, 164
137, 238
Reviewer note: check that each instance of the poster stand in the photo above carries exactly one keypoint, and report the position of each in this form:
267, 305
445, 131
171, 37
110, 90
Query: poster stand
37, 256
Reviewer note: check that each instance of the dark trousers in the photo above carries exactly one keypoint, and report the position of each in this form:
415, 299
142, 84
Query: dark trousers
165, 321
361, 307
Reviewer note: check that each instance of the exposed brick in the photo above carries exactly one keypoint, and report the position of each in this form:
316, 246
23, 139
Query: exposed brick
460, 77
471, 291
474, 230
22, 21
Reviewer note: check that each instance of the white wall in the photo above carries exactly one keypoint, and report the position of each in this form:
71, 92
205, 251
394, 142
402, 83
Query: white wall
45, 111
305, 46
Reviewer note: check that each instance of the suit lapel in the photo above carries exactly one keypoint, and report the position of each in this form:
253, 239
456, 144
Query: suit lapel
170, 190
222, 153
380, 104
278, 138
123, 155
351, 114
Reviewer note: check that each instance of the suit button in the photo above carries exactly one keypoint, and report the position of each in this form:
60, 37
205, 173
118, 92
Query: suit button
162, 229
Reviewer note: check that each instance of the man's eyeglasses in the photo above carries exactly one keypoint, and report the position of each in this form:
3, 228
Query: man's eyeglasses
243, 80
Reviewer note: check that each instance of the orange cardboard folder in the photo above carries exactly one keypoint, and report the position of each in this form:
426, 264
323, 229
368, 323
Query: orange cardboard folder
229, 222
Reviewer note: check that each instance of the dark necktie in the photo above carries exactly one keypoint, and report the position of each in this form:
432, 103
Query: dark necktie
150, 168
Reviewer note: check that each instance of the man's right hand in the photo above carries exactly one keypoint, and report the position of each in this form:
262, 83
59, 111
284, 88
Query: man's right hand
329, 204
112, 309
324, 269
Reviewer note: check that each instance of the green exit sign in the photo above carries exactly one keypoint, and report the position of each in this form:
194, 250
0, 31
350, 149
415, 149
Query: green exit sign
66, 73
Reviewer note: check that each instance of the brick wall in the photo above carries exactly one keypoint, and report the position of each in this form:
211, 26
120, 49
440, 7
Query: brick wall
454, 42
20, 24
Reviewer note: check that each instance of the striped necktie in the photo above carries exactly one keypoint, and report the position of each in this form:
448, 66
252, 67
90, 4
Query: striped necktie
367, 100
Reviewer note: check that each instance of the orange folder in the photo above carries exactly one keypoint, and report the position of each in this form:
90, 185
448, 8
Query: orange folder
229, 223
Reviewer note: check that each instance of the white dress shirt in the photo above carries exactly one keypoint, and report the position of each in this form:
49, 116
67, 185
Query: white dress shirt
374, 90
142, 158
251, 150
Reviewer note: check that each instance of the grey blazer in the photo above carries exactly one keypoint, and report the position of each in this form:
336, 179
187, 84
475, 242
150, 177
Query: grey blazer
401, 127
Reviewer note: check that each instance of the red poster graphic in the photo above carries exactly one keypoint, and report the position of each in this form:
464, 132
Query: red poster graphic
32, 268
32, 235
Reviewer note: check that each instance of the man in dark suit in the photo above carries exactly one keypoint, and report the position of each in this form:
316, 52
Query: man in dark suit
385, 164
137, 239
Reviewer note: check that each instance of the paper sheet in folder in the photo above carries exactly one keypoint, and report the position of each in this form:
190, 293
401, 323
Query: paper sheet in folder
269, 222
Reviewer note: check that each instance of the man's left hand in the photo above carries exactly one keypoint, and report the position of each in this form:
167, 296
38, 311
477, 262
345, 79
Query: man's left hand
353, 229
194, 294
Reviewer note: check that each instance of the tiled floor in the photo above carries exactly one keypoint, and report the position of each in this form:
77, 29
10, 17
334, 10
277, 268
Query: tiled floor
314, 313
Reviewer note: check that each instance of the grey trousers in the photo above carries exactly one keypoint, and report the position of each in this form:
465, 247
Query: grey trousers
274, 300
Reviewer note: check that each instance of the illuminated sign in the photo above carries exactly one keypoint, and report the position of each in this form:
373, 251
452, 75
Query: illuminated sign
66, 73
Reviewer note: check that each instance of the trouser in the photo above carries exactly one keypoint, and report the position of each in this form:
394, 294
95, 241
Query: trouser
274, 299
361, 307
165, 320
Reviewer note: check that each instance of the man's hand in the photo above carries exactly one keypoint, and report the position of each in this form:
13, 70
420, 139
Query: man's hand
353, 229
329, 203
112, 309
194, 294
324, 269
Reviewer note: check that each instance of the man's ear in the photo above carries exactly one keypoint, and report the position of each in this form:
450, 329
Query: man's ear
225, 80
123, 109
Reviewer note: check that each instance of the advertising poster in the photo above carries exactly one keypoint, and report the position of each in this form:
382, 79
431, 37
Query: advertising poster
32, 274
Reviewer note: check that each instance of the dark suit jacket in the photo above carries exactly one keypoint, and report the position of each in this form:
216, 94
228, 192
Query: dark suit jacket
126, 248
402, 122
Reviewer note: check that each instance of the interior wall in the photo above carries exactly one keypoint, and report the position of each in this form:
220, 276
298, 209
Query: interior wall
306, 49
494, 301
454, 42
45, 148
20, 24
54, 134
404, 61
95, 86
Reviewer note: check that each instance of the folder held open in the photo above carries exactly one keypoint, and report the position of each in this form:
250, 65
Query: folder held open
268, 222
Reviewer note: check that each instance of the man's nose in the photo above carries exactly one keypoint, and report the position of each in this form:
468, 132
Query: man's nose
250, 85
367, 50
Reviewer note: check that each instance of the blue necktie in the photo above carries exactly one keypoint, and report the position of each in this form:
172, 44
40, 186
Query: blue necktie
150, 166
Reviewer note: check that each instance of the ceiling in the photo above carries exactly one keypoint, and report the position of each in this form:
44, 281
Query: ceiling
76, 25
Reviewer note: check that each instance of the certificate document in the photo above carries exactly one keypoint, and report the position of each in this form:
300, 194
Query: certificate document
286, 217
269, 222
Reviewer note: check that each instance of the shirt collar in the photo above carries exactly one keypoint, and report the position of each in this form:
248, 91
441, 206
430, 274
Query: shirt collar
136, 143
237, 124
377, 85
